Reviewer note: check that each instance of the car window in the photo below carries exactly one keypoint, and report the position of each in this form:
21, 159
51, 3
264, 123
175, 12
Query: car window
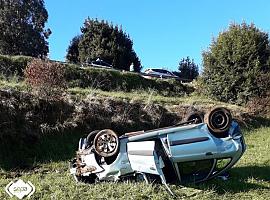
195, 170
160, 71
101, 62
155, 70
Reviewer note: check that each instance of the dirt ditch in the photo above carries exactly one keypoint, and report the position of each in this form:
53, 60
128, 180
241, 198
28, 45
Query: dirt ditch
34, 129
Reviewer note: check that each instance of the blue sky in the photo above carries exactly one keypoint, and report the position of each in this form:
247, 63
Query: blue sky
162, 31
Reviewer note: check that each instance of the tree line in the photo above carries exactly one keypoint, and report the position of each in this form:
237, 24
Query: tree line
22, 32
236, 65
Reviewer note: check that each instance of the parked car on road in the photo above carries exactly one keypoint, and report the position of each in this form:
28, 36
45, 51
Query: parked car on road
158, 73
193, 151
101, 63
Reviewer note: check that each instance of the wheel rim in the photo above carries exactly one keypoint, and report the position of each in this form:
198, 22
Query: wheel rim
106, 143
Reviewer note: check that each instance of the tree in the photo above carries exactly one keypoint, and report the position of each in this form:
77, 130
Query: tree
73, 50
102, 40
188, 69
22, 30
236, 62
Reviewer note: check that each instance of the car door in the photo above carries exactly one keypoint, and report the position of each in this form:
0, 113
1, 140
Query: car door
143, 158
191, 143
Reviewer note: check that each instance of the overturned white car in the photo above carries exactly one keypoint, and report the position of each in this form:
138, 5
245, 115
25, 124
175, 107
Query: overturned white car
193, 151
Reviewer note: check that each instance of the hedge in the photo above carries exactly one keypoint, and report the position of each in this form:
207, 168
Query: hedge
108, 80
104, 79
13, 65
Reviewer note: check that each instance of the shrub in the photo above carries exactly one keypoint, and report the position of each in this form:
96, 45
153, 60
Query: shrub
13, 65
235, 63
46, 78
259, 106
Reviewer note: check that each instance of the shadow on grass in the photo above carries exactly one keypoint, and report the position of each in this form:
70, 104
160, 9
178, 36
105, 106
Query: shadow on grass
257, 122
23, 156
242, 179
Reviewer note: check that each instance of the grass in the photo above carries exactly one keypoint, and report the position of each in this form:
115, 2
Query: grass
150, 96
249, 179
13, 82
142, 96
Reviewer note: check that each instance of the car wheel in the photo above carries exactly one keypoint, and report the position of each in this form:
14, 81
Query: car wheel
195, 117
219, 121
106, 143
90, 137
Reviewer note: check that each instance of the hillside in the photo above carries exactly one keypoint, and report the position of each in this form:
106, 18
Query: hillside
38, 137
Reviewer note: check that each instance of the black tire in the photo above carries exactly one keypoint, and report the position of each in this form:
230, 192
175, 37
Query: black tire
106, 143
90, 137
197, 117
219, 121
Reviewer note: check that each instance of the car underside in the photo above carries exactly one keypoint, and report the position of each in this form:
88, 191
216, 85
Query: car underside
196, 150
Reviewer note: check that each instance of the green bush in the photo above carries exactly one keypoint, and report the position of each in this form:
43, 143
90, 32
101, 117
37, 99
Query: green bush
13, 65
111, 80
236, 65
